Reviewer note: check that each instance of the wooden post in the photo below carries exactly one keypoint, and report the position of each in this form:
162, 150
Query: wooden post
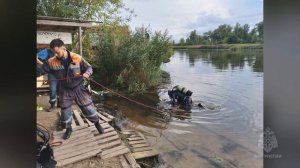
80, 40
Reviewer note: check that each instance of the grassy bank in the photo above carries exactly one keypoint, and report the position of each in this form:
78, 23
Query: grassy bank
222, 47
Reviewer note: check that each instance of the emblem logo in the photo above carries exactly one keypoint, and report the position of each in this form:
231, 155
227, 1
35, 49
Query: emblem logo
270, 141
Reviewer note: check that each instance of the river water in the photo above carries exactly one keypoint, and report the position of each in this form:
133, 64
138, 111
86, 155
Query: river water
228, 132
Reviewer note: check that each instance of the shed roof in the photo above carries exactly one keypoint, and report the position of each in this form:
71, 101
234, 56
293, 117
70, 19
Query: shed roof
46, 23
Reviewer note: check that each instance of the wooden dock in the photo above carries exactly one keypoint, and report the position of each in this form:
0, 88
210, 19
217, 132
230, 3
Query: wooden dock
138, 145
86, 142
43, 89
81, 145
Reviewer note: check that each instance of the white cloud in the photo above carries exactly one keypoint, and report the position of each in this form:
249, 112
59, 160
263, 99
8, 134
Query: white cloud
179, 16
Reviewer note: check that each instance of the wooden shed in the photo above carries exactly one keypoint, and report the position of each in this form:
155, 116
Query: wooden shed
49, 28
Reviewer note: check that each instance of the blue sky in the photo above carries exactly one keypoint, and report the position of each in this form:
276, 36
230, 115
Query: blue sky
180, 17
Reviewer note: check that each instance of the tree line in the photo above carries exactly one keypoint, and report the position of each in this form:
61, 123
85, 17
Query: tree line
226, 34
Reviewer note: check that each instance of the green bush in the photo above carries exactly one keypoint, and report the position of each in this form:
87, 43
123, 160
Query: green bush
130, 60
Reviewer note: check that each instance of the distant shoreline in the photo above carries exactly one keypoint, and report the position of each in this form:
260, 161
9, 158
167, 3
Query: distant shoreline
223, 47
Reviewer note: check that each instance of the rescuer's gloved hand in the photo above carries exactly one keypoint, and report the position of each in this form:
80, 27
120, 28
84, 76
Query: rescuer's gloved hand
86, 76
86, 84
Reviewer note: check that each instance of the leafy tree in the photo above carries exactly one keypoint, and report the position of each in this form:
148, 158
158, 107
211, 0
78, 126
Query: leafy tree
238, 31
182, 42
193, 39
227, 34
245, 37
104, 10
260, 30
253, 35
219, 34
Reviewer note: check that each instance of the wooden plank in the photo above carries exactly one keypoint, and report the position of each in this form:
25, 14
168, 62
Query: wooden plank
62, 23
76, 150
75, 134
144, 154
103, 118
104, 126
101, 121
124, 162
107, 115
107, 134
92, 124
60, 133
131, 160
105, 152
136, 142
126, 133
78, 117
74, 146
140, 145
66, 19
99, 140
79, 157
74, 143
134, 136
140, 134
141, 149
109, 129
73, 123
96, 133
110, 144
127, 130
39, 82
76, 130
74, 138
45, 37
88, 121
75, 153
46, 87
134, 139
116, 153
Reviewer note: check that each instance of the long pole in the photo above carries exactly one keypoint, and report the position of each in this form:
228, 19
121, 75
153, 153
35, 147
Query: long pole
80, 40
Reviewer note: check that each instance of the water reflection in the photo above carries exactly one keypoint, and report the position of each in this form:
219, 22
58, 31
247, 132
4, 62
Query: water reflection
223, 59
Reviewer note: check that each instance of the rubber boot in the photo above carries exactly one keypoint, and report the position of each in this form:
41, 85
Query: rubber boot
68, 133
52, 107
99, 128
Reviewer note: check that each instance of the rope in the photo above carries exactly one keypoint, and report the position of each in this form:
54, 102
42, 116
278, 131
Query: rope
60, 79
98, 84
139, 103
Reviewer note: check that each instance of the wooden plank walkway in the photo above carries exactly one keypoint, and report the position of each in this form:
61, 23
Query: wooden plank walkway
138, 145
128, 161
86, 142
81, 145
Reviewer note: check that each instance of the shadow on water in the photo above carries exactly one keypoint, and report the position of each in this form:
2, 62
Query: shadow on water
225, 133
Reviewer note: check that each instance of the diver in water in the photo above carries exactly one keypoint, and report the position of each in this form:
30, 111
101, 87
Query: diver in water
182, 96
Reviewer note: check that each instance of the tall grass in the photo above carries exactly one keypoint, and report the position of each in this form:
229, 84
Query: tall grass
130, 60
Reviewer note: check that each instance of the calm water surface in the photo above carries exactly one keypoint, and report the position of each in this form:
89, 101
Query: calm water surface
225, 134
